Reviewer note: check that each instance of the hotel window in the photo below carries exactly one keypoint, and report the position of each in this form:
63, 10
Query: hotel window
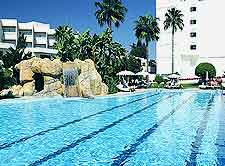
193, 47
193, 34
193, 9
25, 32
40, 45
29, 44
193, 22
40, 34
9, 29
51, 36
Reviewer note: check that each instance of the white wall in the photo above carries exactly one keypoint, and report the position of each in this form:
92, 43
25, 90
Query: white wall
210, 33
34, 27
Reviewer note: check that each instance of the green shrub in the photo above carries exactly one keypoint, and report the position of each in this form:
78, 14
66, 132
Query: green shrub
154, 85
8, 96
202, 68
159, 79
6, 79
61, 78
161, 85
186, 86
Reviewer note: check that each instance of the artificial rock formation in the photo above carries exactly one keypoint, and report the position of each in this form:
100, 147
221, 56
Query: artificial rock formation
49, 70
88, 82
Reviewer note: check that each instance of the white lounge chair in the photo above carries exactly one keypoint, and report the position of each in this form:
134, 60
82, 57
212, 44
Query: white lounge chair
125, 89
122, 88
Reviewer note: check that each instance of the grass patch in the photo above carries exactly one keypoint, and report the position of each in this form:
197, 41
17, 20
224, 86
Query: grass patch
187, 86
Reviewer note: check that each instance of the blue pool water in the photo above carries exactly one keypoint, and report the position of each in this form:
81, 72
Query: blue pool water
178, 128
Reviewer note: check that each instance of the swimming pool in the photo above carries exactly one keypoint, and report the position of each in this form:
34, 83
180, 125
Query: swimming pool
152, 128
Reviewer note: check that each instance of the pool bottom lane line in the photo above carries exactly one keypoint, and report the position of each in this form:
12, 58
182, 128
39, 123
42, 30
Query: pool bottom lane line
220, 140
196, 144
122, 158
7, 145
94, 133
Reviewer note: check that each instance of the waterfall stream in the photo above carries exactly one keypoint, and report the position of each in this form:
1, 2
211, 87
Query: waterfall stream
70, 77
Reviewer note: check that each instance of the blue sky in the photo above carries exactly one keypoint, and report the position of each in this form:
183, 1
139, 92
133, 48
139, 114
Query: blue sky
79, 14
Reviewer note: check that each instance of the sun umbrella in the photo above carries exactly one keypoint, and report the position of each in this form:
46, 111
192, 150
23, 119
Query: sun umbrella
189, 76
173, 76
165, 78
142, 73
125, 73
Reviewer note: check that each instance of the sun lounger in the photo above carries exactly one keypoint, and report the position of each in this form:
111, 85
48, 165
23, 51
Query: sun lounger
202, 87
209, 87
125, 89
176, 86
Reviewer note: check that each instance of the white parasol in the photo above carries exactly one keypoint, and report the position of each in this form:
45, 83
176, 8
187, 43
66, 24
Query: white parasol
125, 73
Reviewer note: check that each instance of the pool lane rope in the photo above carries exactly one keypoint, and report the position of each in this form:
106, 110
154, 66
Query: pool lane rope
196, 144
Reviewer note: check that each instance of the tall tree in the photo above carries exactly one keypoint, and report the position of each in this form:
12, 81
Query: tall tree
65, 42
147, 30
110, 12
173, 21
139, 50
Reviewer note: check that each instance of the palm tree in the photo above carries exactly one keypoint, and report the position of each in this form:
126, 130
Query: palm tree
63, 32
147, 30
174, 21
110, 12
139, 50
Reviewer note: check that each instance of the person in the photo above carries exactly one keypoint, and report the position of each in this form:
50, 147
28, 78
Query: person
124, 84
136, 82
129, 83
219, 81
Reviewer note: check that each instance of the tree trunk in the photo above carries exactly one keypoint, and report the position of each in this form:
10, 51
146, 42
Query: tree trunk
110, 21
146, 47
173, 50
110, 26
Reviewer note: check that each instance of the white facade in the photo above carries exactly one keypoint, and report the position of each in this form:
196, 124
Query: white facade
39, 36
201, 41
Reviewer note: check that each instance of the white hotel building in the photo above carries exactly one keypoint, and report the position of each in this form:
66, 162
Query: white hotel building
39, 36
202, 39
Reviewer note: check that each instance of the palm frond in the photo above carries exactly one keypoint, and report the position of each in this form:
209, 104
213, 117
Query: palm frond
110, 12
174, 20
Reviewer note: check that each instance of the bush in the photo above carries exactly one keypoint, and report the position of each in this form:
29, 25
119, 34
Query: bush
161, 85
154, 85
202, 68
8, 96
6, 79
186, 86
159, 79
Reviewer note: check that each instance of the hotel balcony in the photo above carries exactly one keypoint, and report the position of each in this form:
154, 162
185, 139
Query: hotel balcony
51, 42
6, 45
40, 40
29, 38
10, 36
41, 50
